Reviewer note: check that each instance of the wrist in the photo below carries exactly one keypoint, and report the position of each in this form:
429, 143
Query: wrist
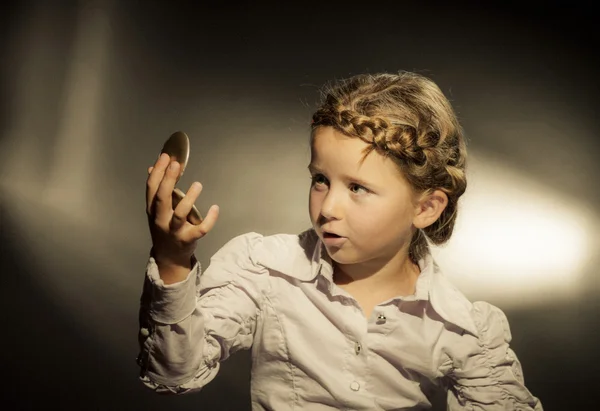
171, 261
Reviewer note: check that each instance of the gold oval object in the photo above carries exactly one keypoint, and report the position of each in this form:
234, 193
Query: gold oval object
178, 148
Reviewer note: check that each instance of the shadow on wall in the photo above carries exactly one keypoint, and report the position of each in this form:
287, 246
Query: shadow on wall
86, 360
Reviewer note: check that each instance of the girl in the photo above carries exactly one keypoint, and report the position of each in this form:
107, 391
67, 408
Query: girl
353, 313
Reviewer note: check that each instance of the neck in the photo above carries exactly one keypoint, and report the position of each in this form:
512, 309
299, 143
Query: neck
399, 273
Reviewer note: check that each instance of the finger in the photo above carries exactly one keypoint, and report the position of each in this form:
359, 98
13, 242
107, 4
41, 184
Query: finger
185, 206
154, 179
200, 230
163, 201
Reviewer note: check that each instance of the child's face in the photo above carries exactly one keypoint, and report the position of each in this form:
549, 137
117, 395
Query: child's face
370, 206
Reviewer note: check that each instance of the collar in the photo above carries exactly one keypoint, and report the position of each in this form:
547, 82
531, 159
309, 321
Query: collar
304, 258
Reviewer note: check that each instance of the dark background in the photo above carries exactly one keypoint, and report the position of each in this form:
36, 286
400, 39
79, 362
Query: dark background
91, 90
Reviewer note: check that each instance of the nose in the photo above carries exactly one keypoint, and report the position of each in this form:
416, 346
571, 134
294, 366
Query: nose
331, 207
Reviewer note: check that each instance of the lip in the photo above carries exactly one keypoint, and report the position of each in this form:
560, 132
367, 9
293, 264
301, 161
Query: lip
333, 241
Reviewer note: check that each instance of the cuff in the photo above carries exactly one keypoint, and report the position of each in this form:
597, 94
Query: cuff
171, 303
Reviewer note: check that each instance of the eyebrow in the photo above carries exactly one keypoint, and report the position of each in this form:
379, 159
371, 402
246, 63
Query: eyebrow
314, 169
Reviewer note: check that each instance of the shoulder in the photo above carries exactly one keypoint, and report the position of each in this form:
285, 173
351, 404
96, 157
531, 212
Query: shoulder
491, 322
290, 254
449, 302
482, 368
481, 319
478, 318
250, 242
479, 331
286, 253
270, 248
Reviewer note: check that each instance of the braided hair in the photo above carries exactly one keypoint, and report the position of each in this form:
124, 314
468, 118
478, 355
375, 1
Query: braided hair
407, 118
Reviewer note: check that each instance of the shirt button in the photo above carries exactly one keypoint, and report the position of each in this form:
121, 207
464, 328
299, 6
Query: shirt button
357, 348
381, 319
355, 386
144, 332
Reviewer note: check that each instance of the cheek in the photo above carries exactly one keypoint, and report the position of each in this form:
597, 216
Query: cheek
381, 219
369, 222
314, 205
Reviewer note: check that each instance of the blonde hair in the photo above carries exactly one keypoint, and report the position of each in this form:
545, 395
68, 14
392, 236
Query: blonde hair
407, 118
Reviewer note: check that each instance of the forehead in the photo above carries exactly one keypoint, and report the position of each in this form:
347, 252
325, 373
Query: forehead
333, 152
329, 144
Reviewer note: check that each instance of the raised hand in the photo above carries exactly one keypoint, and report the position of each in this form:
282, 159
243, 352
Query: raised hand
174, 239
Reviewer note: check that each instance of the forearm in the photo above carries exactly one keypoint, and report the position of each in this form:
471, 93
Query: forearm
173, 273
171, 270
175, 360
171, 331
189, 326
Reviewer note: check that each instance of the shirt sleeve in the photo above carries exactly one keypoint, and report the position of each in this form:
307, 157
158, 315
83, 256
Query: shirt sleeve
187, 328
483, 372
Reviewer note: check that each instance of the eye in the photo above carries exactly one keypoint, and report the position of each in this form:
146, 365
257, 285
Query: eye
318, 179
357, 188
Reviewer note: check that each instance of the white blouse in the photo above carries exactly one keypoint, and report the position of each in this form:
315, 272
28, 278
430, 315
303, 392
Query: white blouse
312, 346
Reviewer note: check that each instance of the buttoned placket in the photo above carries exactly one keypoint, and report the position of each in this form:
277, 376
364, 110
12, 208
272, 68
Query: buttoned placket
359, 349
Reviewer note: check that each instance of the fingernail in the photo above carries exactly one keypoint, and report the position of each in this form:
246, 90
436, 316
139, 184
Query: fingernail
173, 166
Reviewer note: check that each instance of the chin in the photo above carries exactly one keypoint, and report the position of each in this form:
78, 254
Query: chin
341, 256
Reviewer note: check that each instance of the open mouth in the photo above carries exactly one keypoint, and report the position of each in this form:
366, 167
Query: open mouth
330, 235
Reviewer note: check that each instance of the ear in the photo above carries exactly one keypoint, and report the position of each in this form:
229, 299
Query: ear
429, 208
